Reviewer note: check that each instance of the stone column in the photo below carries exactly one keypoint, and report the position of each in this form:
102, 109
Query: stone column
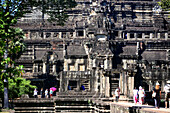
44, 35
33, 68
106, 64
126, 84
95, 83
120, 34
44, 67
166, 36
143, 35
66, 84
159, 35
74, 34
29, 33
61, 85
128, 36
107, 86
84, 33
54, 68
60, 34
121, 83
151, 35
101, 82
131, 86
135, 35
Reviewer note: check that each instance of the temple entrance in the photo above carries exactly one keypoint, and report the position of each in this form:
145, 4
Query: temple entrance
114, 82
72, 85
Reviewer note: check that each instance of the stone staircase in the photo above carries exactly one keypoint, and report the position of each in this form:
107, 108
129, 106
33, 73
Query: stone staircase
34, 105
86, 84
74, 102
114, 83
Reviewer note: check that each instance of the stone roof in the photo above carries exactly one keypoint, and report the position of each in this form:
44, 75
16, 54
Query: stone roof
101, 49
75, 50
39, 54
140, 28
129, 50
154, 55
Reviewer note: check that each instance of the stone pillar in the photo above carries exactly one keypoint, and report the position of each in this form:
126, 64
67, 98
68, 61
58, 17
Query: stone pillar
143, 35
66, 84
29, 34
166, 36
54, 68
107, 86
151, 35
52, 35
135, 35
131, 86
60, 34
101, 82
126, 84
74, 34
95, 81
121, 83
84, 33
128, 36
159, 35
44, 67
33, 68
61, 85
120, 34
106, 64
44, 35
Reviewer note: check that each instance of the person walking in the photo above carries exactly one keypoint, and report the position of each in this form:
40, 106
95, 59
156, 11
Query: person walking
46, 93
51, 93
35, 93
156, 95
167, 94
135, 95
41, 92
117, 94
141, 95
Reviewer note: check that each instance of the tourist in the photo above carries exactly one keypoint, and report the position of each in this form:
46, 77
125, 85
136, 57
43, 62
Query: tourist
135, 95
41, 92
141, 93
51, 93
117, 94
46, 93
35, 93
156, 95
167, 94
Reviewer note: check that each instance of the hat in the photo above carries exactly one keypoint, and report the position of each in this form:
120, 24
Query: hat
157, 84
140, 87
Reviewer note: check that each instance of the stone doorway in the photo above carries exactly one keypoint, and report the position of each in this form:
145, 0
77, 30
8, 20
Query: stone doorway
72, 85
114, 82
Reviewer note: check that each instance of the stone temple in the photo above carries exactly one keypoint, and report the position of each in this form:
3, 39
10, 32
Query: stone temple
104, 44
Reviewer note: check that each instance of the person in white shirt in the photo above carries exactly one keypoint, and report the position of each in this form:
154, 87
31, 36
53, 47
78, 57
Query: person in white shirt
35, 93
117, 94
167, 94
135, 95
141, 95
46, 93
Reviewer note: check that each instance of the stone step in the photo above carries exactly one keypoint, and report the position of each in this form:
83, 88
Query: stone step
72, 107
34, 111
34, 108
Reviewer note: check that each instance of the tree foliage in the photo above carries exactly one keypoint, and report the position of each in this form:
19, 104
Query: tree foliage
165, 4
17, 87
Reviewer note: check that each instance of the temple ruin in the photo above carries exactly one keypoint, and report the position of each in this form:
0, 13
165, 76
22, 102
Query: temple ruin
104, 44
